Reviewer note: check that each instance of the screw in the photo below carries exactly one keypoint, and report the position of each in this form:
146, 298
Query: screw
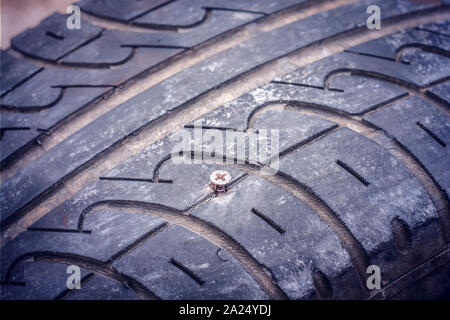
219, 180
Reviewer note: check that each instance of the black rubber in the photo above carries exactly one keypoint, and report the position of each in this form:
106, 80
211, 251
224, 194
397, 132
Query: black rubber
89, 119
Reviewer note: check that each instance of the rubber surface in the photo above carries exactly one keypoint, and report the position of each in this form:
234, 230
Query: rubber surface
90, 117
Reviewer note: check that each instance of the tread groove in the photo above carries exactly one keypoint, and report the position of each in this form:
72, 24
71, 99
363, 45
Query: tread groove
59, 230
135, 179
347, 168
431, 134
202, 228
269, 221
187, 271
86, 263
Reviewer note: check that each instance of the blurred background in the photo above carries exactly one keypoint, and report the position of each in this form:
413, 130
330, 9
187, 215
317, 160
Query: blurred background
18, 15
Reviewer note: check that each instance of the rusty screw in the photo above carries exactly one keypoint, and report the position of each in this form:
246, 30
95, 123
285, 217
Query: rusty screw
219, 180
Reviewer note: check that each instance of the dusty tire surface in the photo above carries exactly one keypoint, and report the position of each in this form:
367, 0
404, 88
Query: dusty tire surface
90, 118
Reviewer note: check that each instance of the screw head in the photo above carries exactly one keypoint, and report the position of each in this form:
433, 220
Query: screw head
219, 179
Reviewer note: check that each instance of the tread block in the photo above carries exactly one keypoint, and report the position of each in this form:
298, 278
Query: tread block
101, 288
174, 14
379, 55
165, 13
179, 264
218, 22
71, 100
401, 121
45, 93
440, 27
387, 46
291, 255
12, 140
14, 72
355, 95
101, 243
317, 73
441, 92
114, 46
193, 13
294, 128
371, 94
104, 51
121, 10
33, 94
346, 159
51, 39
37, 281
189, 184
106, 233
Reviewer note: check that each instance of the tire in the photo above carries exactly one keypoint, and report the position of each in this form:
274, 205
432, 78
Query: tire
91, 116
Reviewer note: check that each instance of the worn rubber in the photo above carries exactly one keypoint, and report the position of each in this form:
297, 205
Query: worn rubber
89, 116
